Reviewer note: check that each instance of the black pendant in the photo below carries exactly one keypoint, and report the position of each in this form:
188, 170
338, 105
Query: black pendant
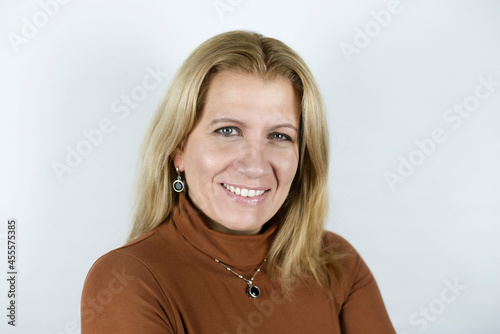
253, 291
178, 186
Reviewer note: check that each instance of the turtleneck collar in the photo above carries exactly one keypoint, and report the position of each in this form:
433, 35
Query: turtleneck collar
240, 251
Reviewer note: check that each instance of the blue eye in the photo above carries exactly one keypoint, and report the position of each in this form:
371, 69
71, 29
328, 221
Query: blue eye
281, 136
227, 130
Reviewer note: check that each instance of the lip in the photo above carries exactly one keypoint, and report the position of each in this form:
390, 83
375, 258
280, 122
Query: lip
246, 200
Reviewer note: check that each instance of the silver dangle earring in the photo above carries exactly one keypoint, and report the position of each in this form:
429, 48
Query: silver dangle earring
178, 184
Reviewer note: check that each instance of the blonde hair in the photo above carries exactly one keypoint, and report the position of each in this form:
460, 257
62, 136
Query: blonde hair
298, 250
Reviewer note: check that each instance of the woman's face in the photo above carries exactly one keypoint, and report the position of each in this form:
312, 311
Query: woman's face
242, 155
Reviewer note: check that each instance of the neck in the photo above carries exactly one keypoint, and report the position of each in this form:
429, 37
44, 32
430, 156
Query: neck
235, 248
221, 228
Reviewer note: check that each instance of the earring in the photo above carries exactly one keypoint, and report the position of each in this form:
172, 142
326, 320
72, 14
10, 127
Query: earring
178, 184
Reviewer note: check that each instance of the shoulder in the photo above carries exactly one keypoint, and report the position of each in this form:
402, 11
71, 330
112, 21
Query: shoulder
138, 257
132, 255
338, 244
354, 271
122, 284
336, 241
346, 251
357, 292
123, 267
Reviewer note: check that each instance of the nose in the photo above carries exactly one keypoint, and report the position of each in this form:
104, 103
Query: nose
253, 159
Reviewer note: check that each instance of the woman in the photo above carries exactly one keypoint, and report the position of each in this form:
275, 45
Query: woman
229, 233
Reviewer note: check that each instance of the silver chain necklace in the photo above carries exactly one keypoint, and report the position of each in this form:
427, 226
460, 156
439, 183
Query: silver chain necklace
253, 291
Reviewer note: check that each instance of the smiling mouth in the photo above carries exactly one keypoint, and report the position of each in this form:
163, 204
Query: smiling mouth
243, 191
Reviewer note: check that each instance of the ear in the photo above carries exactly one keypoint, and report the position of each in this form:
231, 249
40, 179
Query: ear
178, 159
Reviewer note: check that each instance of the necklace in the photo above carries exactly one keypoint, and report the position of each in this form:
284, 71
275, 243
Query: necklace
253, 291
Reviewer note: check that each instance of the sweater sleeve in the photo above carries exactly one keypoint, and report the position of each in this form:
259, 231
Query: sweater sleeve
363, 310
121, 295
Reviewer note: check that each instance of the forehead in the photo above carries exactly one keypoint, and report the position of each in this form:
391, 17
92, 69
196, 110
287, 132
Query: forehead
247, 95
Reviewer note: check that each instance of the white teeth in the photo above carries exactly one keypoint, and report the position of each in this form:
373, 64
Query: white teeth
244, 192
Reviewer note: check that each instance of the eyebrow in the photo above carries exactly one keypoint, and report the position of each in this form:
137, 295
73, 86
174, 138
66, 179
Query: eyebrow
232, 120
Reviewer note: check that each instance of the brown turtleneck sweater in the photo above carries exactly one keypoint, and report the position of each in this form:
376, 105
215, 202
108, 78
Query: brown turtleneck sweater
167, 281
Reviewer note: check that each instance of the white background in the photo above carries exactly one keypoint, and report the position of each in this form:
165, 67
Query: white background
440, 225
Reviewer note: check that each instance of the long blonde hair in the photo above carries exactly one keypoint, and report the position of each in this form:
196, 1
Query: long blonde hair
298, 250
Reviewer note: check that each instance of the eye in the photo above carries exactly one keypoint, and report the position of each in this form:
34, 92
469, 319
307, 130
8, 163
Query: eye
280, 136
228, 131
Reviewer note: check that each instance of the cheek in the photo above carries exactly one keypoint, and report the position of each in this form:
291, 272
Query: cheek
204, 162
286, 166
